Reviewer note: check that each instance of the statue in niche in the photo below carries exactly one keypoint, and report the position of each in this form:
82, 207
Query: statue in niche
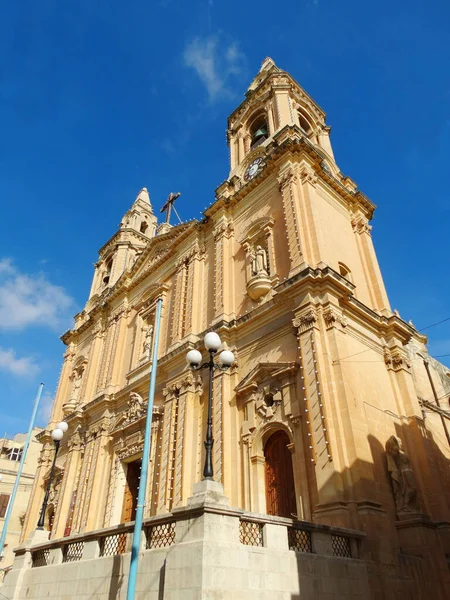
148, 339
259, 262
402, 476
136, 407
76, 387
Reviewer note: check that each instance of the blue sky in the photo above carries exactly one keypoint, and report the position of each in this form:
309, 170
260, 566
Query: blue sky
99, 99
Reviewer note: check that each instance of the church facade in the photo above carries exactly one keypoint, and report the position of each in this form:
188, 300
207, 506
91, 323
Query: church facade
333, 415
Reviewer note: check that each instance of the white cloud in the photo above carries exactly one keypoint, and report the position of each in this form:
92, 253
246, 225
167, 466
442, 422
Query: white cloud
9, 362
30, 300
215, 61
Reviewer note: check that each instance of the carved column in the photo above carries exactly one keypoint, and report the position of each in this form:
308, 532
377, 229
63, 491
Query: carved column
98, 479
85, 473
168, 450
63, 388
270, 122
69, 483
374, 280
294, 227
154, 464
307, 180
223, 275
94, 360
241, 152
178, 302
38, 491
106, 351
314, 412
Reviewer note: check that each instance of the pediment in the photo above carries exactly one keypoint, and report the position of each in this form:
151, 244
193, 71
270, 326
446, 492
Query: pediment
264, 371
158, 250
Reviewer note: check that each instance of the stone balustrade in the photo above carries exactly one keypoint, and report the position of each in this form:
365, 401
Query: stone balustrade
193, 552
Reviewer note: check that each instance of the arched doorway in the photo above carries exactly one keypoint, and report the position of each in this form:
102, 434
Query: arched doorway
280, 490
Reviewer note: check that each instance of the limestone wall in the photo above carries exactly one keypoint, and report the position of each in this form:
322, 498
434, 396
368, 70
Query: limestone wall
203, 552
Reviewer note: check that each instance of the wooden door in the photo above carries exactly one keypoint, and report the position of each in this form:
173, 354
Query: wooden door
131, 491
280, 491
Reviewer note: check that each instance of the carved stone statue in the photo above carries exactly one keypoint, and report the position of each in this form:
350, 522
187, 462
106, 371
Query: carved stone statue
259, 262
147, 347
136, 407
402, 476
78, 376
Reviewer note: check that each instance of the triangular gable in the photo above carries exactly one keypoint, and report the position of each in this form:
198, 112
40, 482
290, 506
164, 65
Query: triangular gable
158, 249
263, 371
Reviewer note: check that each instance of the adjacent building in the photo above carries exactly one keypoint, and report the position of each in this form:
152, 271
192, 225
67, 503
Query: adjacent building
331, 431
10, 457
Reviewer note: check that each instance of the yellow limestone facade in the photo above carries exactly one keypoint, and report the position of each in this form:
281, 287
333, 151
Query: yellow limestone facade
283, 268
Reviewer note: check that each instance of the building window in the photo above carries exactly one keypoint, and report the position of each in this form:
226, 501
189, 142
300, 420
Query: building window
15, 454
259, 132
304, 123
108, 270
345, 271
144, 226
4, 500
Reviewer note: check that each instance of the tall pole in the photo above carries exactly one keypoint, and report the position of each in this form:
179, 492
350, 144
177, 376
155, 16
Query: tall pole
41, 521
209, 442
134, 561
19, 472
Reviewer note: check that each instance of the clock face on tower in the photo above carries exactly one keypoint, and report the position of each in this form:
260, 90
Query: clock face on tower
254, 168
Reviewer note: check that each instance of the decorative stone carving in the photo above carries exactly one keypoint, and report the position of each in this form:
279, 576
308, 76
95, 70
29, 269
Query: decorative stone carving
130, 451
189, 383
402, 477
147, 345
77, 380
268, 402
307, 175
396, 359
360, 224
333, 316
259, 262
223, 229
136, 407
286, 179
259, 284
76, 441
305, 320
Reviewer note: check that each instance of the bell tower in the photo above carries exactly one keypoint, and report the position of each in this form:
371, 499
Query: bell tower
136, 229
273, 101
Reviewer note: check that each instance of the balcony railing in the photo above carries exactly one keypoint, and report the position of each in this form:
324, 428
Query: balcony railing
162, 532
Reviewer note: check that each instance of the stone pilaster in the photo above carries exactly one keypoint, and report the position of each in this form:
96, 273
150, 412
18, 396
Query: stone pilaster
69, 483
294, 228
223, 280
375, 284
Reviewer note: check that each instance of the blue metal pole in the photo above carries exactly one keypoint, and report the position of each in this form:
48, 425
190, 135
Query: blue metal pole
131, 590
19, 472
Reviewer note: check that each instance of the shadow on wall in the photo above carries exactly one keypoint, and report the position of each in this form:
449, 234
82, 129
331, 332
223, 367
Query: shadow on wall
406, 553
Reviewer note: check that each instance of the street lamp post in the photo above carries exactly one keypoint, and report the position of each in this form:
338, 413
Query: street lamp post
57, 436
194, 358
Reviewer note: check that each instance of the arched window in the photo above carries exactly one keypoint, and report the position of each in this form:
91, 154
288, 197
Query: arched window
144, 226
258, 131
304, 123
108, 269
345, 271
